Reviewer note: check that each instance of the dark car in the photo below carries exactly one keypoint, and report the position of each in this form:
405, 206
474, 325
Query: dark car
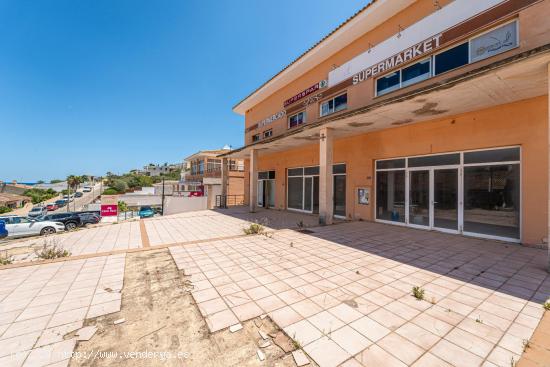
88, 218
61, 203
78, 194
70, 220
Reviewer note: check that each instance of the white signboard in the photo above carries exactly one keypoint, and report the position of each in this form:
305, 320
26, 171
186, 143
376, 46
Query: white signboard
498, 40
430, 26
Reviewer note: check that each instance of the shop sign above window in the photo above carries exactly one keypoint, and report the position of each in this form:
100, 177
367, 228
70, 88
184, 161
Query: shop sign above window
322, 84
498, 40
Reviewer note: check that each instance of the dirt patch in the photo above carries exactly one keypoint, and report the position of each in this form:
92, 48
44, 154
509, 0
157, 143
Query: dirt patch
161, 316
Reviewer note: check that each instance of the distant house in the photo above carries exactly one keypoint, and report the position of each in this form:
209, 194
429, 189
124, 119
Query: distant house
13, 201
159, 169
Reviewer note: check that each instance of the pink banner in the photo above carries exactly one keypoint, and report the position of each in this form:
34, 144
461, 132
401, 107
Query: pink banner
109, 210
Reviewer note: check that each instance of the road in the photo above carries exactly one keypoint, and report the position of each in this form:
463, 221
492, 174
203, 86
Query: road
78, 203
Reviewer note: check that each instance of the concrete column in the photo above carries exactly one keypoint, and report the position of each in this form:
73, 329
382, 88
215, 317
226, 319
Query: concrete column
253, 197
548, 155
326, 182
225, 181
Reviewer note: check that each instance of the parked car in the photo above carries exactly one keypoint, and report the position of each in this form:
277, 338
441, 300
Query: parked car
51, 207
196, 193
3, 230
78, 194
146, 212
37, 211
21, 226
88, 218
87, 189
68, 197
61, 203
70, 220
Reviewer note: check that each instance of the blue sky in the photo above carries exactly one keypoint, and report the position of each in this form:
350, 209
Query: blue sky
90, 86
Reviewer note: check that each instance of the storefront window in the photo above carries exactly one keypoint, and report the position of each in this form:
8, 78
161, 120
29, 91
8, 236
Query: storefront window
303, 189
491, 200
295, 192
475, 192
390, 195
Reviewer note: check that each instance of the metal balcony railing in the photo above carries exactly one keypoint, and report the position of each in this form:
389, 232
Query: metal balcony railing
225, 201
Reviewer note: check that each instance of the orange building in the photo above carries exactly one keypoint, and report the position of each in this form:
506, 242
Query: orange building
427, 114
220, 179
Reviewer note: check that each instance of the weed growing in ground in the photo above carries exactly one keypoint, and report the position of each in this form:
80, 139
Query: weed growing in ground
50, 251
300, 224
526, 344
254, 228
295, 342
479, 320
546, 305
5, 259
418, 293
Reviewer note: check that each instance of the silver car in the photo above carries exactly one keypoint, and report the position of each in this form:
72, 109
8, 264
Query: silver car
23, 226
37, 211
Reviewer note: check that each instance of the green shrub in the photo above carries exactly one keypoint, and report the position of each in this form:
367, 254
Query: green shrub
5, 259
48, 252
418, 293
40, 195
120, 185
122, 207
110, 191
254, 228
4, 209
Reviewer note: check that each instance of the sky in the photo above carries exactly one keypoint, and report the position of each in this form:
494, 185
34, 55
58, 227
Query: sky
91, 86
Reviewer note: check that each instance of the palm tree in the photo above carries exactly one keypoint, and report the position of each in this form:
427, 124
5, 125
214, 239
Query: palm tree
72, 181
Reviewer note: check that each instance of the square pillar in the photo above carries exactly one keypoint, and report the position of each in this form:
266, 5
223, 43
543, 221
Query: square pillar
326, 181
225, 181
253, 197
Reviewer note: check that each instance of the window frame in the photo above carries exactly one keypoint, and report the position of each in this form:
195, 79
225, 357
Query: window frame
256, 138
332, 99
270, 131
447, 49
303, 112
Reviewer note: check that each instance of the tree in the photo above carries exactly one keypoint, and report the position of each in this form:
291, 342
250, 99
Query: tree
54, 181
39, 182
72, 181
120, 185
122, 207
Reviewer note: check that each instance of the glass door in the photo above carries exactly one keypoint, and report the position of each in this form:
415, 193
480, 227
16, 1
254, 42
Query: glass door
260, 193
419, 198
308, 194
270, 193
445, 199
339, 195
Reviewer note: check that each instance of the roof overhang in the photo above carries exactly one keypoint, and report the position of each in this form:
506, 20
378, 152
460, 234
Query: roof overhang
371, 16
517, 78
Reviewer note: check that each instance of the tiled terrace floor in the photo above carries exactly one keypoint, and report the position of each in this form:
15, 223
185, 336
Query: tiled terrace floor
91, 240
211, 224
39, 304
344, 292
